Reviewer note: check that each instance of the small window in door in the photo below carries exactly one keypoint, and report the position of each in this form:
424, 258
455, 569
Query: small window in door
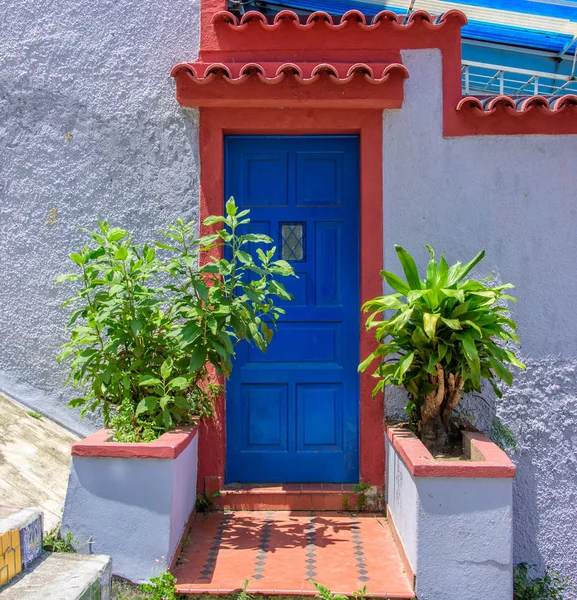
292, 236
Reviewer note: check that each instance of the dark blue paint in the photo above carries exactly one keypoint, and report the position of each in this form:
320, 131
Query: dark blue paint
292, 414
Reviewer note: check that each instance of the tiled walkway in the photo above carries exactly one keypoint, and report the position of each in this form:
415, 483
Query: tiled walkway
281, 552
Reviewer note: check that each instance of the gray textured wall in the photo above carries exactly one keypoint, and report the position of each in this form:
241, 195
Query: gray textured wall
89, 129
514, 196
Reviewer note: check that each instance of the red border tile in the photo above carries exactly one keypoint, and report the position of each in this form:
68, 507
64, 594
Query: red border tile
167, 446
420, 462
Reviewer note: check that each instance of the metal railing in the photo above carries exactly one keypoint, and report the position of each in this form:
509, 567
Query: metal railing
497, 80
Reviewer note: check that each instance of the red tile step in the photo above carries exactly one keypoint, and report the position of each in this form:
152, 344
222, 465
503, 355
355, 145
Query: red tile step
288, 496
284, 552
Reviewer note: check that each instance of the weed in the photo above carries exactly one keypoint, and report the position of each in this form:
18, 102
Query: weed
162, 587
361, 490
346, 506
205, 502
244, 594
528, 585
54, 542
35, 415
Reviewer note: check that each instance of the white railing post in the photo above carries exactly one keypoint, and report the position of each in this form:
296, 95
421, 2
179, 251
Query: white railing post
467, 87
536, 88
501, 82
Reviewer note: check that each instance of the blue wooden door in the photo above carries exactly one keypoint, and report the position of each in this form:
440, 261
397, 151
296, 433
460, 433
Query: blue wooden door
292, 414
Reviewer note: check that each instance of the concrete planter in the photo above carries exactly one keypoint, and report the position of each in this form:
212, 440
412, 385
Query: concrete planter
452, 519
132, 501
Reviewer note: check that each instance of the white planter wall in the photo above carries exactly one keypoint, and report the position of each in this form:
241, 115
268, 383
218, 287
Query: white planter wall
456, 531
133, 509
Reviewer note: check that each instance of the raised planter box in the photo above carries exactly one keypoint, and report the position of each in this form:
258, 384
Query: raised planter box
452, 519
132, 501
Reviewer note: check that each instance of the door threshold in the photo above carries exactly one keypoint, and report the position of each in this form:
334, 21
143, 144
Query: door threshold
287, 496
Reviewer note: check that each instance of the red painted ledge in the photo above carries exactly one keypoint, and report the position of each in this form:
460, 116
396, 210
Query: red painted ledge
488, 460
168, 446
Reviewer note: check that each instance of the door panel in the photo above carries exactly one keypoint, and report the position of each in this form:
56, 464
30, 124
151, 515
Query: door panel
292, 413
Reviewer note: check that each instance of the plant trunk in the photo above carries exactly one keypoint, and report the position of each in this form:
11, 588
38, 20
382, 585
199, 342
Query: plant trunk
434, 435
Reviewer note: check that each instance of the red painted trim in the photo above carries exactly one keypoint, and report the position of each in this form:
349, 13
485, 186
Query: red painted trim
495, 463
168, 446
290, 39
215, 123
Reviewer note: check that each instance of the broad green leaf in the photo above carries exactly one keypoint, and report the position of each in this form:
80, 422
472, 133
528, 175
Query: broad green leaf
404, 364
179, 383
213, 219
465, 269
458, 294
231, 208
77, 258
149, 380
396, 282
166, 368
148, 404
501, 371
121, 254
409, 268
452, 323
197, 359
67, 277
430, 323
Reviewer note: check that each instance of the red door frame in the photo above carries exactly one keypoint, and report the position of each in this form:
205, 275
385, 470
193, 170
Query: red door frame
215, 123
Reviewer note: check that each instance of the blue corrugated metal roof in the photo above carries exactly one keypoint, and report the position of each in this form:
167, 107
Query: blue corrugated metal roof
543, 25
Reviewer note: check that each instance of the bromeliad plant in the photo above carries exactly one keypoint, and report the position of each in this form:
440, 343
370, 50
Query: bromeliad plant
446, 335
149, 320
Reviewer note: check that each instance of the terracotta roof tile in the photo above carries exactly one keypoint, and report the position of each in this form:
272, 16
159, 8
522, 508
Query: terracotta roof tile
302, 72
352, 18
489, 105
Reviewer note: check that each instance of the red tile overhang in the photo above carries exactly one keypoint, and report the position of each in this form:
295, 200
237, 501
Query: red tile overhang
292, 61
290, 84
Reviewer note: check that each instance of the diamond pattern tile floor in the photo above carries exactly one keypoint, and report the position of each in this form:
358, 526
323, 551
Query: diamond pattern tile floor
280, 552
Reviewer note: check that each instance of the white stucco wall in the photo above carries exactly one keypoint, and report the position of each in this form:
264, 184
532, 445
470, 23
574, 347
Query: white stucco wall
515, 197
89, 129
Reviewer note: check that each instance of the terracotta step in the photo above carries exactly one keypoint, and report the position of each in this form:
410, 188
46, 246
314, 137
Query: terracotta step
288, 496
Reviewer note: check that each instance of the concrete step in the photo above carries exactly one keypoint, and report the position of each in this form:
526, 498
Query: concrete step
61, 576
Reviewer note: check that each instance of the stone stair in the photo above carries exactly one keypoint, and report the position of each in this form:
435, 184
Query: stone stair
28, 573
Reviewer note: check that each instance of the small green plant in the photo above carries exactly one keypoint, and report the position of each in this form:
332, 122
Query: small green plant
244, 593
361, 490
150, 324
345, 503
502, 436
325, 594
35, 415
446, 335
54, 542
528, 585
205, 502
162, 587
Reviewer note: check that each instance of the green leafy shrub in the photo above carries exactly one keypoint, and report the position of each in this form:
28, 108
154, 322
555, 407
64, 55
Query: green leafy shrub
446, 334
162, 587
54, 542
149, 324
530, 586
